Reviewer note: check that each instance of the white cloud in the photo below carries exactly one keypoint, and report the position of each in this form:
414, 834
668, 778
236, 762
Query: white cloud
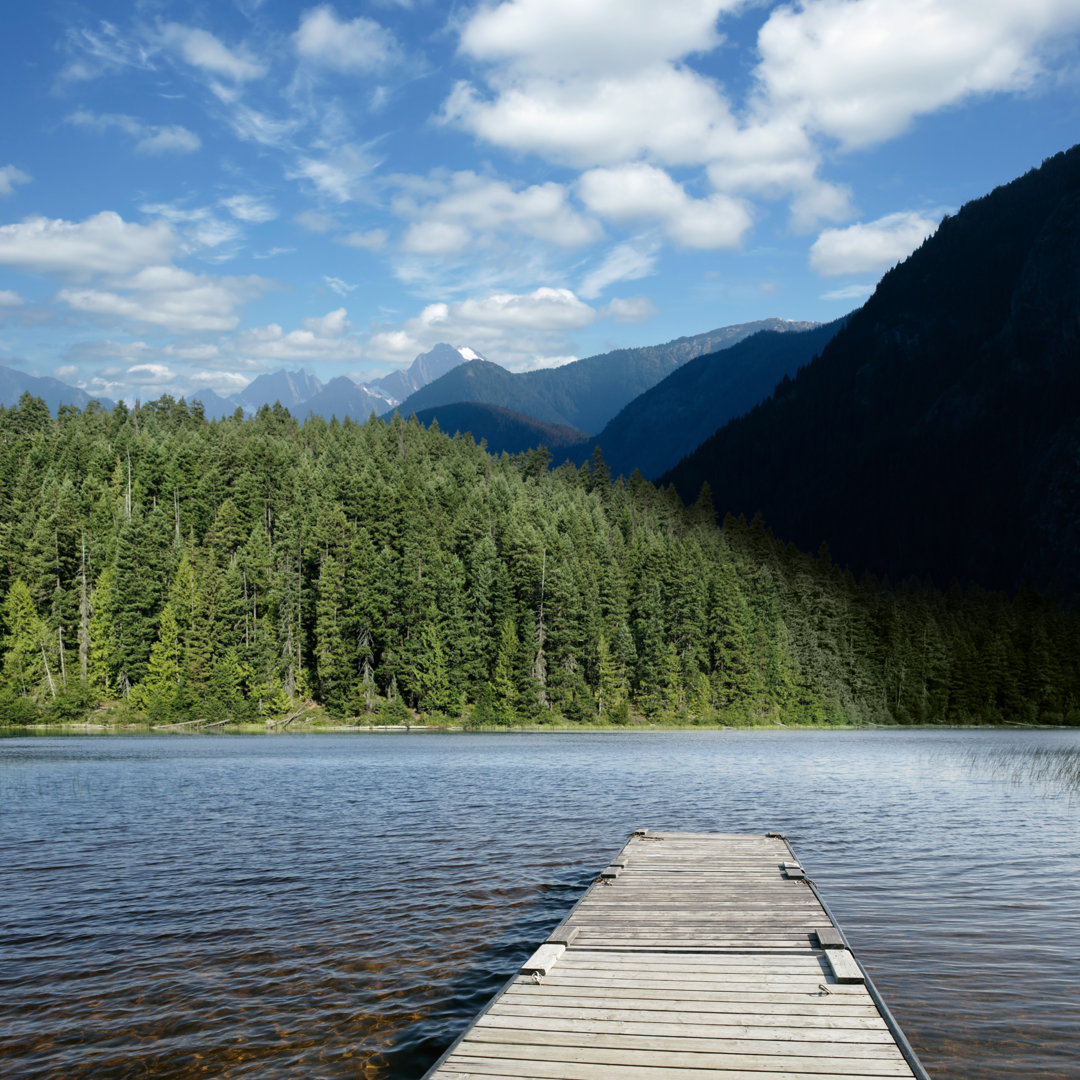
168, 297
204, 51
436, 238
625, 262
325, 338
250, 209
9, 177
450, 212
543, 309
369, 240
10, 299
875, 245
635, 192
342, 288
850, 292
332, 324
513, 329
566, 36
630, 309
340, 175
151, 138
104, 243
315, 222
861, 70
169, 140
199, 228
355, 46
670, 114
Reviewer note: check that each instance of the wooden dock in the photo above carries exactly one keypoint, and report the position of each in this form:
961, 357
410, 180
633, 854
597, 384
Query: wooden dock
694, 956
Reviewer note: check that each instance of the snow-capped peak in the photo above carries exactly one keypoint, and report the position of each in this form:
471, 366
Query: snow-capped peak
468, 354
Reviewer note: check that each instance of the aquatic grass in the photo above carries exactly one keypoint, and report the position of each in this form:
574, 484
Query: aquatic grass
1055, 767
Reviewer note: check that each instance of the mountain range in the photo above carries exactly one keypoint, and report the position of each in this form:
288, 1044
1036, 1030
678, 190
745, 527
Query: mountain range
939, 431
587, 393
15, 383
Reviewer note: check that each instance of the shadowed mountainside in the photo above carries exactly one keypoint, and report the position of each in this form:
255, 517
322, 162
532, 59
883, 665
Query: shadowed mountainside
939, 432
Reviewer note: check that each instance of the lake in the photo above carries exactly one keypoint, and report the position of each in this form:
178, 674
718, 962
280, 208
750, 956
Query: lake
341, 905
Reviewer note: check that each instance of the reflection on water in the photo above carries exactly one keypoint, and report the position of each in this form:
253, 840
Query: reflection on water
341, 906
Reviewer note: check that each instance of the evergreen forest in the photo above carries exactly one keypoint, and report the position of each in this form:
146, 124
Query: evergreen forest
163, 567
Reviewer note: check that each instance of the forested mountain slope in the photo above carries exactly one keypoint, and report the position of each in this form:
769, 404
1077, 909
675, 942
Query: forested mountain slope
179, 568
939, 432
502, 430
667, 422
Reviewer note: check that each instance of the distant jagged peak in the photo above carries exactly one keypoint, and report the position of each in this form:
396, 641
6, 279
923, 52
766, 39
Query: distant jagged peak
469, 354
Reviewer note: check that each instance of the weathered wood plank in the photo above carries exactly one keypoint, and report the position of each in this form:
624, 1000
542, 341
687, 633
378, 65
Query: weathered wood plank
693, 957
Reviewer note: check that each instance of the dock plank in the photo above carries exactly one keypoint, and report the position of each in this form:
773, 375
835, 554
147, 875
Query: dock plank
692, 957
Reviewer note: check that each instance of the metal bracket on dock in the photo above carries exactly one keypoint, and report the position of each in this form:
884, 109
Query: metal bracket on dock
793, 870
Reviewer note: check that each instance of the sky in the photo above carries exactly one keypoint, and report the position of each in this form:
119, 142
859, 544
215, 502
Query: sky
192, 194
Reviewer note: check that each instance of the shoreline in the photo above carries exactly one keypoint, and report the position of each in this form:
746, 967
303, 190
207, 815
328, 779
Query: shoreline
92, 728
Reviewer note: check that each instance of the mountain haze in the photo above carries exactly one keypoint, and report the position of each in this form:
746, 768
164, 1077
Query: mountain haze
939, 432
586, 393
15, 383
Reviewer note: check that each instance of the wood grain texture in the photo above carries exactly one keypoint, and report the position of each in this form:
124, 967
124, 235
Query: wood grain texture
701, 959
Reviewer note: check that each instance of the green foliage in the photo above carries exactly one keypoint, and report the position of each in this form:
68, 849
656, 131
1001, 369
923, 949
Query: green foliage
236, 568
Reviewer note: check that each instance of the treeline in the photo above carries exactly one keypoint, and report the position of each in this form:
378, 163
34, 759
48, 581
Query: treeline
175, 568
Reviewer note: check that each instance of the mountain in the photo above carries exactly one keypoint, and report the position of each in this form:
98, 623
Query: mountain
215, 407
668, 421
342, 397
426, 368
587, 393
504, 431
939, 431
482, 382
291, 388
15, 383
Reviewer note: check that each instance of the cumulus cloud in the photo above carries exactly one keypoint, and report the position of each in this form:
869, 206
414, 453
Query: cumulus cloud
639, 191
861, 70
323, 338
436, 238
672, 115
354, 46
206, 52
102, 244
9, 177
513, 329
9, 299
875, 245
566, 36
449, 213
625, 262
170, 298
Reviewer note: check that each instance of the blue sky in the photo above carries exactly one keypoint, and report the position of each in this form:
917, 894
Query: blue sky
192, 194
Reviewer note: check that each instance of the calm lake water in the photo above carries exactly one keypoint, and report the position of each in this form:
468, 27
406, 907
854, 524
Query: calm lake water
341, 905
